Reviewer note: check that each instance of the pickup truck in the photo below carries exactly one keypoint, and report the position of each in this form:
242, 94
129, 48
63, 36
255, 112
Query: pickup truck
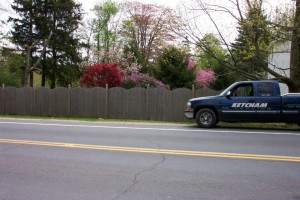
246, 101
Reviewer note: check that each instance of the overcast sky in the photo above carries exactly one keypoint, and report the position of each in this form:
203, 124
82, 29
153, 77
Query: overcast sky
89, 4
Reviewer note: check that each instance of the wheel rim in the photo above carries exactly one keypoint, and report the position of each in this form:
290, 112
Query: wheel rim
205, 118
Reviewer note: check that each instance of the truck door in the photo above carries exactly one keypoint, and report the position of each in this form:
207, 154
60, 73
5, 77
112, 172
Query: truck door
269, 100
239, 105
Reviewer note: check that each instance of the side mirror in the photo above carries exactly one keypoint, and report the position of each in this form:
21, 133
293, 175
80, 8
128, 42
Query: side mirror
228, 94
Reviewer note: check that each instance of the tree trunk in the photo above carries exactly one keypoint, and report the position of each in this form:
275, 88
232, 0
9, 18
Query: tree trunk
27, 66
31, 78
52, 81
44, 71
295, 52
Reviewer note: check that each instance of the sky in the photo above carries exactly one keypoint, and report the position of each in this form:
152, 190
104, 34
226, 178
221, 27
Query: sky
174, 4
89, 4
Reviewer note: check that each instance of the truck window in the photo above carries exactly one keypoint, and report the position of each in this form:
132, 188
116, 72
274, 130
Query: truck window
243, 90
265, 89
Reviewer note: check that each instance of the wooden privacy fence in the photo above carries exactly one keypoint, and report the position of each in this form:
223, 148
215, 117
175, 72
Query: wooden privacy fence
116, 103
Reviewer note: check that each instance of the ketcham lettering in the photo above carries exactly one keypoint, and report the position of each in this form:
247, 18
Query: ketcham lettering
249, 105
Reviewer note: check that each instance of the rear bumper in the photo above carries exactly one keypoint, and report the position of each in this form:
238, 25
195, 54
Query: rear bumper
189, 114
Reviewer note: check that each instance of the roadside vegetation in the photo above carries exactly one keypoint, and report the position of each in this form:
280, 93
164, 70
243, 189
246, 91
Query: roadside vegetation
188, 123
56, 43
133, 44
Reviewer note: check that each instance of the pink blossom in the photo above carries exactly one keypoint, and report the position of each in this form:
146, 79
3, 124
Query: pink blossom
192, 63
127, 63
142, 80
204, 77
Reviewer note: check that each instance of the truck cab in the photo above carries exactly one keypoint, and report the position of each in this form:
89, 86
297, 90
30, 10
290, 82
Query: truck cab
251, 100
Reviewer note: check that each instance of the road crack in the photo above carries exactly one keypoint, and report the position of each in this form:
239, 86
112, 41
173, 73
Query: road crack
135, 181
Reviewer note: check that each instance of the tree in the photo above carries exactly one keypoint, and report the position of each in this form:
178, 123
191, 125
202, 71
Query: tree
147, 30
223, 76
10, 70
104, 37
173, 68
24, 34
63, 56
142, 80
99, 75
250, 49
294, 86
256, 33
204, 77
45, 32
126, 61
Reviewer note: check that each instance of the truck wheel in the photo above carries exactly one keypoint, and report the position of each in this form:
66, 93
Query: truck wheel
206, 118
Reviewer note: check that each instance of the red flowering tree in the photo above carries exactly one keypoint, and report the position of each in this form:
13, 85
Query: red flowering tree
100, 74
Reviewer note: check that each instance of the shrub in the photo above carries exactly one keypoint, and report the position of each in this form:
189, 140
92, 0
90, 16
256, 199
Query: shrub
175, 68
99, 75
204, 77
141, 80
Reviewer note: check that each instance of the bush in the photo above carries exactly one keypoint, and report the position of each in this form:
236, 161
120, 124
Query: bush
204, 77
99, 75
175, 68
141, 80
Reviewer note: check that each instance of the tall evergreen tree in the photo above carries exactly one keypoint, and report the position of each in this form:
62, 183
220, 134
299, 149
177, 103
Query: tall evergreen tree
63, 56
250, 48
173, 68
24, 34
46, 29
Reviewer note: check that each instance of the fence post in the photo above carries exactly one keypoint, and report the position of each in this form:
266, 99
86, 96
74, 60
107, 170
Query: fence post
106, 102
3, 99
193, 91
34, 103
69, 100
147, 103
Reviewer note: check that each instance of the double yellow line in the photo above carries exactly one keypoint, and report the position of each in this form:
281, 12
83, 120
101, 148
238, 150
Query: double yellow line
155, 151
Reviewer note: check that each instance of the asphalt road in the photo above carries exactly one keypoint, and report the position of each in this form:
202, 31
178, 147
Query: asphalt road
61, 160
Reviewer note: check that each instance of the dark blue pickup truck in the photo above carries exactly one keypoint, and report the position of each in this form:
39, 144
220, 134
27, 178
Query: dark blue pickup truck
246, 101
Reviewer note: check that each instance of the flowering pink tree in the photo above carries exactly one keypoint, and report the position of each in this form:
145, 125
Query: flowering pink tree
204, 77
192, 63
126, 62
142, 80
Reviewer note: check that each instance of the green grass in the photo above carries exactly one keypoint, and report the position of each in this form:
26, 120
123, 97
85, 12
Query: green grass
91, 119
259, 125
192, 122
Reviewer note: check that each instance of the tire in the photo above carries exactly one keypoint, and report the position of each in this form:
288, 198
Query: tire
206, 118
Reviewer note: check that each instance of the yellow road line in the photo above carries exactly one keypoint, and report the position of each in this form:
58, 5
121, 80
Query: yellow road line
155, 151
